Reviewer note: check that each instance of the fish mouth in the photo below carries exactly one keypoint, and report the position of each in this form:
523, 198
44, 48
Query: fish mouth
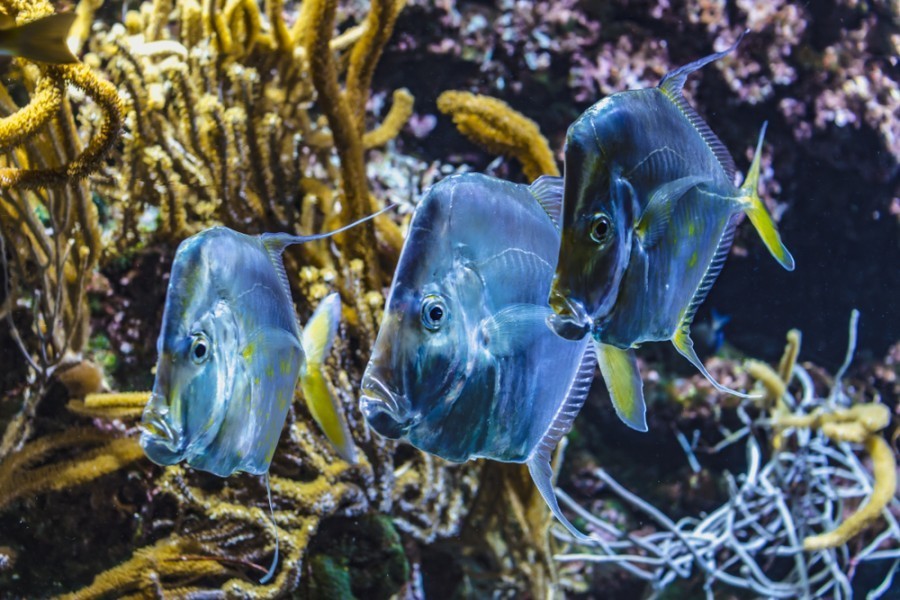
569, 320
158, 437
385, 411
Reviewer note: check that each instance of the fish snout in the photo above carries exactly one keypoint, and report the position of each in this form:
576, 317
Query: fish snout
569, 319
386, 411
158, 434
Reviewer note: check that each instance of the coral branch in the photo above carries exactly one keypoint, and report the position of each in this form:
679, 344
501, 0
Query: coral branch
885, 469
494, 125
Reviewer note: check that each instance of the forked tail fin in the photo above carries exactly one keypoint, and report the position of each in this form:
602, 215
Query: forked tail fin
755, 209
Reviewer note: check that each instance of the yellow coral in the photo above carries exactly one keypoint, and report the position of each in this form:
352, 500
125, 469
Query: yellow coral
18, 478
493, 124
885, 470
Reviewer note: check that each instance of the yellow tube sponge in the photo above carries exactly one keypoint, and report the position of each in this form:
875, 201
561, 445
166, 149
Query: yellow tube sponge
493, 124
884, 488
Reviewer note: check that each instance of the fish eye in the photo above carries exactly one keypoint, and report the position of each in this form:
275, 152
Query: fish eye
200, 350
434, 312
601, 229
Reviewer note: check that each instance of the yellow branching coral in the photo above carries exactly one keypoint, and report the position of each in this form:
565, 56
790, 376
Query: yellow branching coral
47, 215
236, 119
19, 477
493, 124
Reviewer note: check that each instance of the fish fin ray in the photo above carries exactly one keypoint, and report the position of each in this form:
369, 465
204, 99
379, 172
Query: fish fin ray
278, 263
548, 190
44, 39
673, 84
277, 242
655, 219
540, 460
623, 380
513, 327
712, 273
268, 576
509, 270
685, 346
756, 210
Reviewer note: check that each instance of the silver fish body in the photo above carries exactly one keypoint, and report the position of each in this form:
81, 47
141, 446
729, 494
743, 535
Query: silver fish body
650, 208
464, 365
229, 357
230, 354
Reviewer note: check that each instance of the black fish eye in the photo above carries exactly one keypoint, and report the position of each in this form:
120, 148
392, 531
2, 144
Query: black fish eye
434, 312
199, 349
601, 229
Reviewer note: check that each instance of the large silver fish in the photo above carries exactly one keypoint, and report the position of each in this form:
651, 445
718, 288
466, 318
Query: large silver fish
465, 365
230, 353
650, 209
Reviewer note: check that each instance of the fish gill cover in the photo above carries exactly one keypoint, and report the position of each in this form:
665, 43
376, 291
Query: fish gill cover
273, 117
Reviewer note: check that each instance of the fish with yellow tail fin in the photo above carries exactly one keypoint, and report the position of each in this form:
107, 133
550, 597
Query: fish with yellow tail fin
230, 353
464, 365
42, 40
650, 210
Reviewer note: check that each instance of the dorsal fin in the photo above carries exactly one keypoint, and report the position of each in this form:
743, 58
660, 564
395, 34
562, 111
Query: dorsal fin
673, 84
549, 193
540, 459
277, 242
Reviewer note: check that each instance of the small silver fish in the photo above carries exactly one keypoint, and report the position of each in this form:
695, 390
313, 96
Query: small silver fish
649, 218
230, 353
465, 365
42, 40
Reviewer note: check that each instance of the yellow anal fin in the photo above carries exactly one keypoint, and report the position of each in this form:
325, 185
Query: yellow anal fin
759, 216
318, 336
685, 346
43, 40
623, 380
327, 413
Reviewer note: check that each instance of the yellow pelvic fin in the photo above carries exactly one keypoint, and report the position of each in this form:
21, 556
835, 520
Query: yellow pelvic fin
43, 40
623, 380
318, 336
759, 216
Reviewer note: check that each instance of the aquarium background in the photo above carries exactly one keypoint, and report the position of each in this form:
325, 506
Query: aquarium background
286, 116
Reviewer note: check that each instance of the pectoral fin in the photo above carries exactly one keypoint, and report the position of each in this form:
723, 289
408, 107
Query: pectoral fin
655, 219
514, 328
685, 346
623, 380
755, 209
318, 336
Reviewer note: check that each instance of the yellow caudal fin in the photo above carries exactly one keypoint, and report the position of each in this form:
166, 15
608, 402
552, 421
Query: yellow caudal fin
758, 214
43, 40
623, 380
318, 335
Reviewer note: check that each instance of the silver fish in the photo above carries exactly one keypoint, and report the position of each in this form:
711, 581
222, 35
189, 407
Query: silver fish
465, 365
230, 353
650, 213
